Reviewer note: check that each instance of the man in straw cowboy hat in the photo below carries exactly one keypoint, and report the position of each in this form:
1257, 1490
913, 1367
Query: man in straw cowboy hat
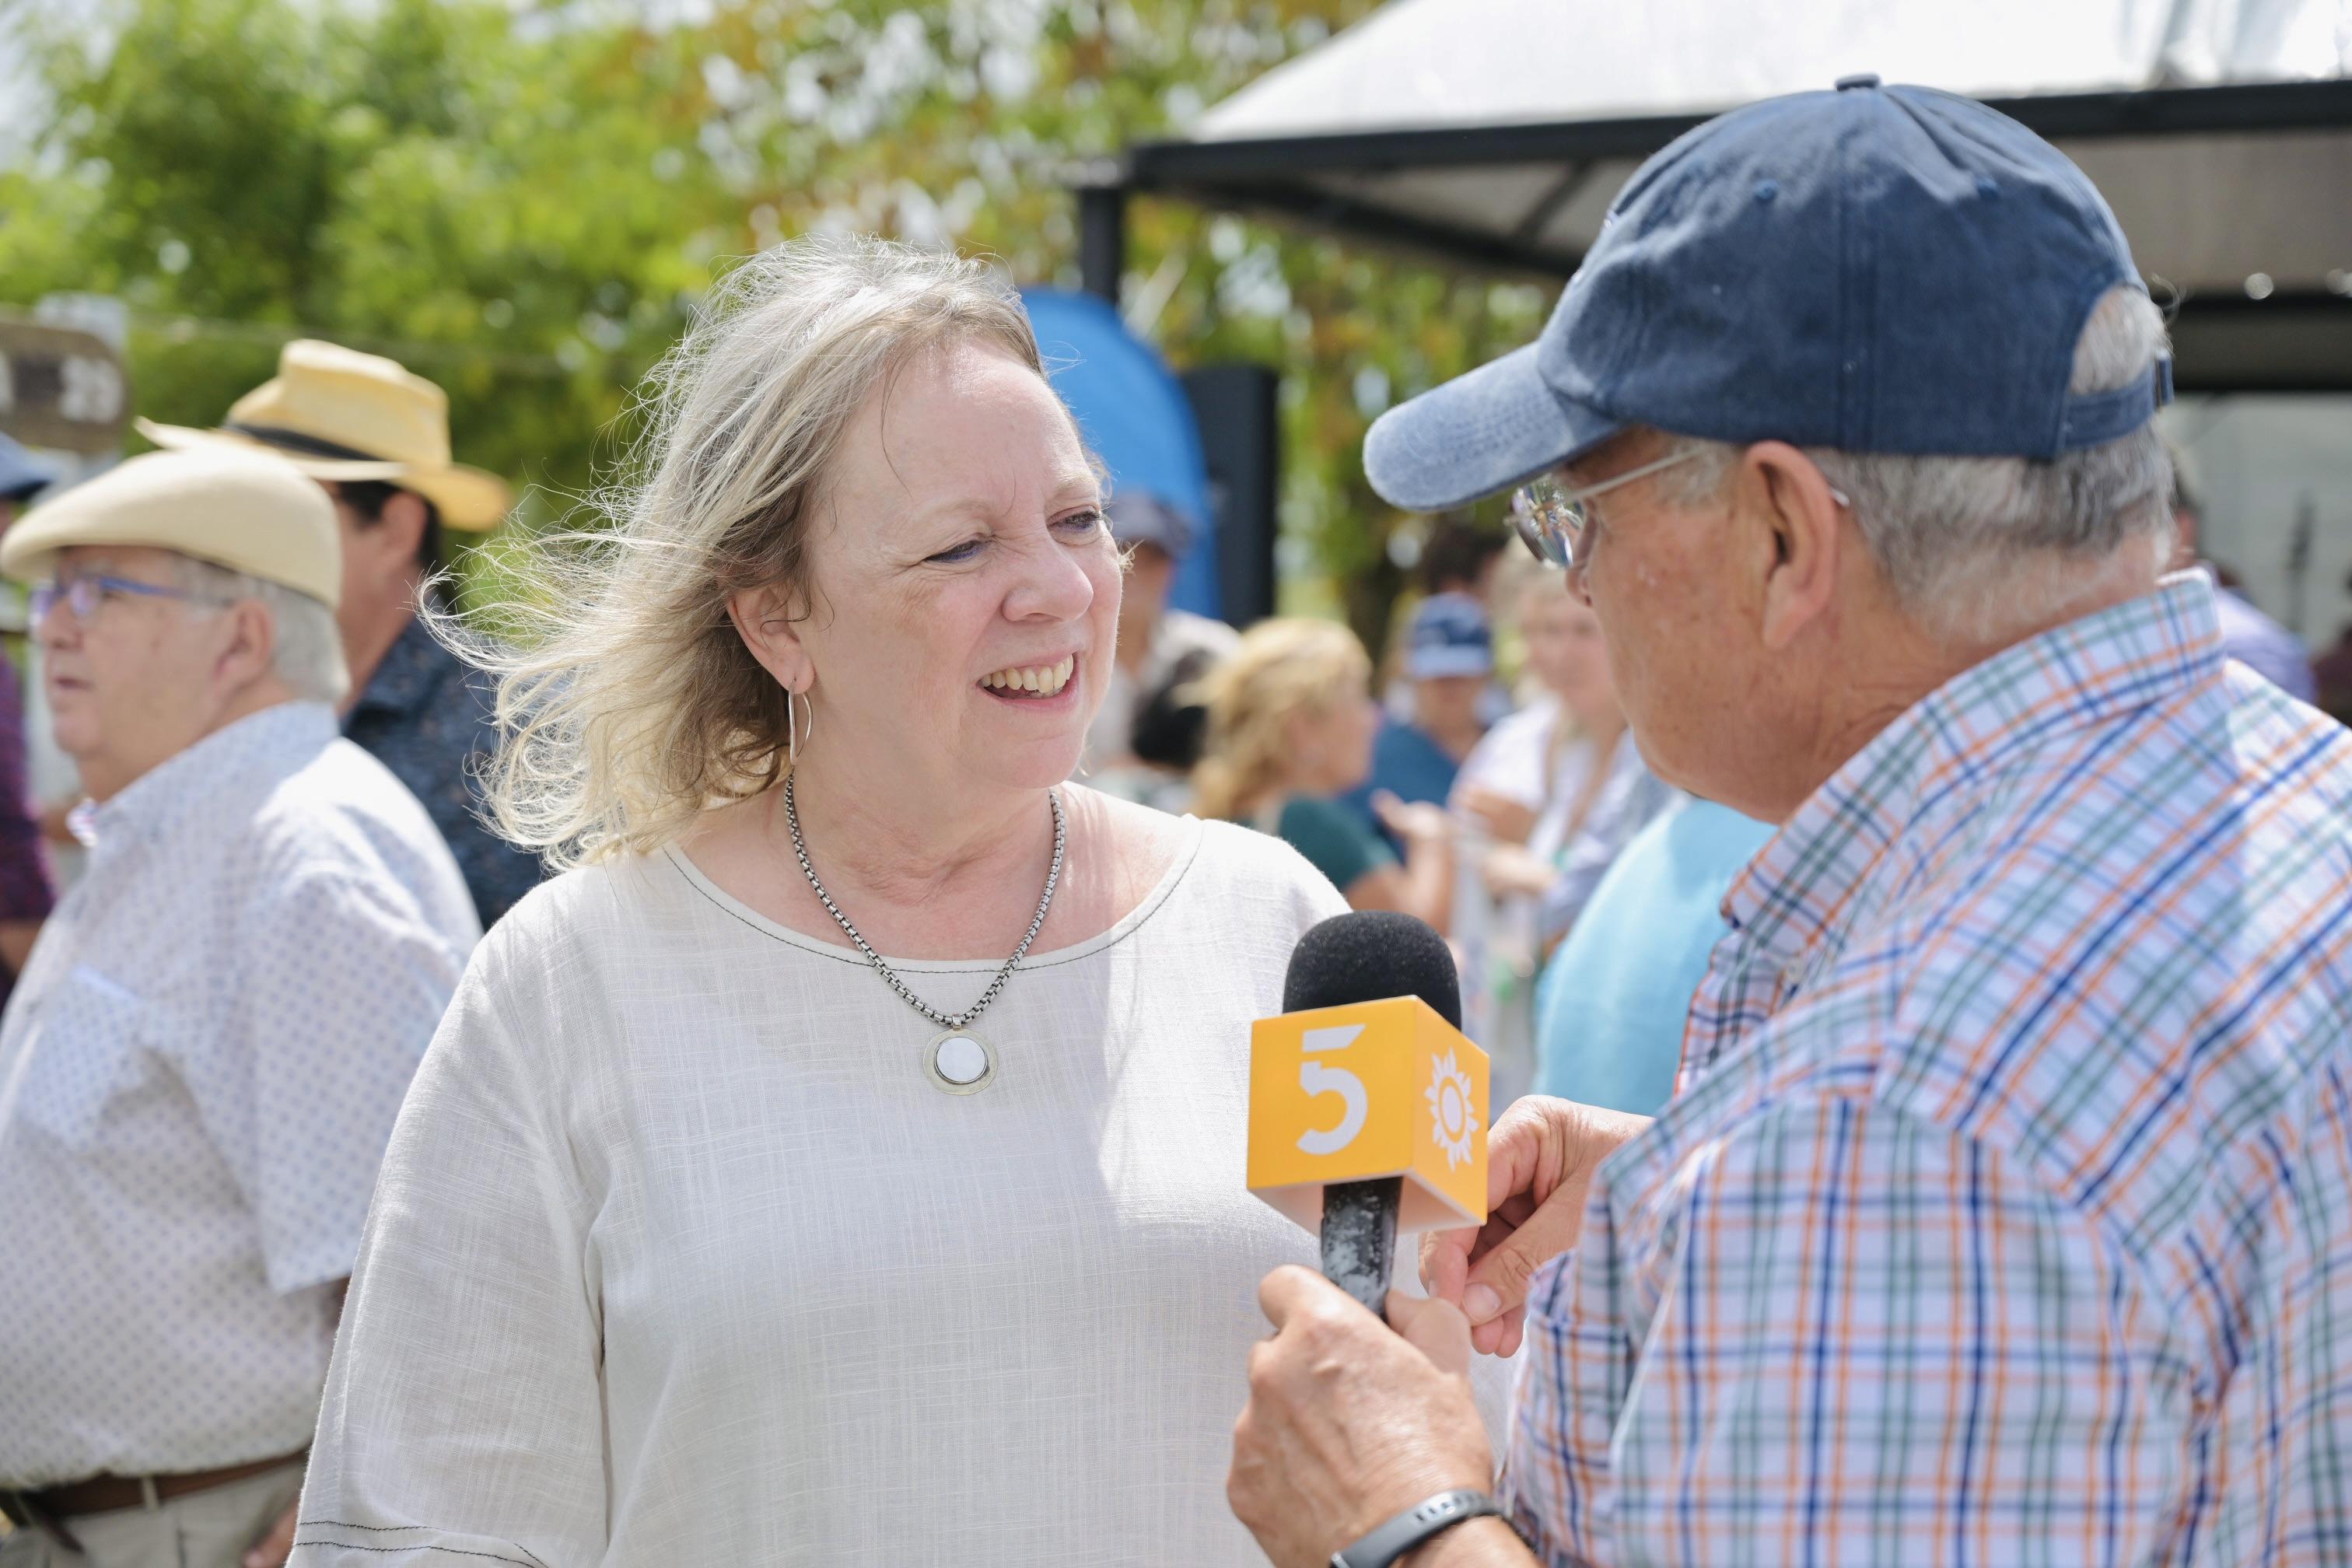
376, 438
201, 1063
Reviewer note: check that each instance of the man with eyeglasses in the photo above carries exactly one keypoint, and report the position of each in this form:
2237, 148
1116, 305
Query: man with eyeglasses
2003, 1212
201, 1063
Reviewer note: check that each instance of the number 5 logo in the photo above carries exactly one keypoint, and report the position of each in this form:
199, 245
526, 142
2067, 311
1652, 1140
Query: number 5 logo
1318, 1080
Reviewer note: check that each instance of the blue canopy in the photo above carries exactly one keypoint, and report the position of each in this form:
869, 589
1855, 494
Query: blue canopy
1135, 416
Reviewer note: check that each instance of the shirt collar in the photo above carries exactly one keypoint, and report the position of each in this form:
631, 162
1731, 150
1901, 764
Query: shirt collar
145, 809
2076, 675
410, 673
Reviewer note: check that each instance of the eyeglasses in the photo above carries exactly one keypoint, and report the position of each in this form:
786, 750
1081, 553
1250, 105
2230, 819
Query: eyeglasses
82, 595
1552, 519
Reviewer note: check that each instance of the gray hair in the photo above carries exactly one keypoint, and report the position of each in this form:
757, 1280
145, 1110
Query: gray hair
1973, 546
309, 656
629, 702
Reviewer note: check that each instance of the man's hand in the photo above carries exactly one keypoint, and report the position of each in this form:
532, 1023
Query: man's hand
273, 1549
1348, 1422
1505, 819
1540, 1162
1415, 821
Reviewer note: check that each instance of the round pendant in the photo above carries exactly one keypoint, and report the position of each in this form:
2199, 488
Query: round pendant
961, 1062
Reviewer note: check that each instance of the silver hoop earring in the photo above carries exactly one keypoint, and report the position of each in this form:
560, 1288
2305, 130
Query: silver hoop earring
792, 724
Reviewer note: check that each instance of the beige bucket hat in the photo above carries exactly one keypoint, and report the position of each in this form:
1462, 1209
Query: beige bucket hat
241, 508
338, 414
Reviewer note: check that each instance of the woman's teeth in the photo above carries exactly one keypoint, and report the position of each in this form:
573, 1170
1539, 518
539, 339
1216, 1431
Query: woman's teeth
1043, 680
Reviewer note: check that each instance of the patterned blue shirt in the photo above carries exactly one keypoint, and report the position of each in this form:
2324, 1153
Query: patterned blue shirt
432, 720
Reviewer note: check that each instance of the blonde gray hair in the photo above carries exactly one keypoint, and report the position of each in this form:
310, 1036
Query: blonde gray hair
1973, 545
629, 703
309, 650
1284, 669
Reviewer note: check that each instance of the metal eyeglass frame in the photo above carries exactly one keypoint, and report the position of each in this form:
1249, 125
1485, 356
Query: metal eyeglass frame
1550, 520
82, 595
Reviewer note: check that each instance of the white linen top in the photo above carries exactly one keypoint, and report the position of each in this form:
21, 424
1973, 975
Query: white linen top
198, 1071
680, 1257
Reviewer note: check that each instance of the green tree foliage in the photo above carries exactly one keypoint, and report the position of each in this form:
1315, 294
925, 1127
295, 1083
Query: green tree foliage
525, 203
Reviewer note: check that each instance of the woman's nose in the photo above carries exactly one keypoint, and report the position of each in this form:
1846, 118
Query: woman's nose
1053, 585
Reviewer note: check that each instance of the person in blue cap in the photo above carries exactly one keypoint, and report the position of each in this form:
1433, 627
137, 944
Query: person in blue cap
2003, 1213
1448, 664
27, 888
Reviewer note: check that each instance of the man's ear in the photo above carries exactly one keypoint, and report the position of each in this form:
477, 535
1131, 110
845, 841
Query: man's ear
248, 648
768, 619
399, 529
1808, 537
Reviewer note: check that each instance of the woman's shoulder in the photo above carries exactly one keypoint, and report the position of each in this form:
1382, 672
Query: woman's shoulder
1240, 873
584, 910
1240, 866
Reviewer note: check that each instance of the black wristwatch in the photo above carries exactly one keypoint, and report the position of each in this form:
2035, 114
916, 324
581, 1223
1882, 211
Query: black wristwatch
1392, 1538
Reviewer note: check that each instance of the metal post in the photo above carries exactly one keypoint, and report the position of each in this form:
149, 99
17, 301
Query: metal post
1102, 231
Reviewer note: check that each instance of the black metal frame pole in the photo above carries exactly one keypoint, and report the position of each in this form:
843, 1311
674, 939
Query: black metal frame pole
1102, 234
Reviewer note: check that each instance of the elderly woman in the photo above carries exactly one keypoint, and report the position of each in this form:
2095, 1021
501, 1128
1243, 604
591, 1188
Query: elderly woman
1291, 727
843, 1162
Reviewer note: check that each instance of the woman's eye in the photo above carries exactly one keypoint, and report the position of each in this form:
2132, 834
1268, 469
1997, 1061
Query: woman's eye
961, 553
1082, 524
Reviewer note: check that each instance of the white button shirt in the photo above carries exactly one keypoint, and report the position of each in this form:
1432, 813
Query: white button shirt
198, 1070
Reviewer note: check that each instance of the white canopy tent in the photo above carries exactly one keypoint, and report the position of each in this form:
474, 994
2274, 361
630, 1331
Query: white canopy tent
1495, 133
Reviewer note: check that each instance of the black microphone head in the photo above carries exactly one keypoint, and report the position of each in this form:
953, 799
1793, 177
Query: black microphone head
1368, 955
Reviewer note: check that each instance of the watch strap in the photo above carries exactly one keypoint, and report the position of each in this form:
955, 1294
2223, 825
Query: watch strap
1393, 1537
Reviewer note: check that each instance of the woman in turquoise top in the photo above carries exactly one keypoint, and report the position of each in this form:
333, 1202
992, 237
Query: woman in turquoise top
1291, 720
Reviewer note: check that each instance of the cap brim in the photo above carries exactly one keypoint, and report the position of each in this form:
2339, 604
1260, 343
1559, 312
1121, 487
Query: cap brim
468, 499
1499, 426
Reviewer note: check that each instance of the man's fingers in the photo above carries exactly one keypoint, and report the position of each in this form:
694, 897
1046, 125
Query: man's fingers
1445, 1262
1282, 1294
1434, 1328
272, 1549
1514, 1152
1506, 1271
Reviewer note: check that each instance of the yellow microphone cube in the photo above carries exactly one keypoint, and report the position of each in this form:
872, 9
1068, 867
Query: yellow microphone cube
1370, 1090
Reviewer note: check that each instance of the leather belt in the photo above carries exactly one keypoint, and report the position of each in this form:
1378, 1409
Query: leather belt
105, 1494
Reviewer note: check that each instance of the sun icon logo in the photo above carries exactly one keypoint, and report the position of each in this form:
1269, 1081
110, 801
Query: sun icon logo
1449, 1105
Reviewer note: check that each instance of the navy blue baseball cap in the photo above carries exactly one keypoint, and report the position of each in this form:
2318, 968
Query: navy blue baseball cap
1448, 635
1873, 268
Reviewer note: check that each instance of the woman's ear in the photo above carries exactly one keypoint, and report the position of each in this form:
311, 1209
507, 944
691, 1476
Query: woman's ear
768, 620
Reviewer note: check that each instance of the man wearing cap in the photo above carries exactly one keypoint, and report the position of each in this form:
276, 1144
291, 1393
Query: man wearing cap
26, 891
2003, 1213
200, 1062
376, 438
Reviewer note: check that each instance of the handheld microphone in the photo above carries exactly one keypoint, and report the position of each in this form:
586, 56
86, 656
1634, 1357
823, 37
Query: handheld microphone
1371, 1029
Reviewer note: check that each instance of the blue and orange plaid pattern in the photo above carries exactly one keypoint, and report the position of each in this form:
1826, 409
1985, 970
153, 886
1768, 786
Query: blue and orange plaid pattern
2005, 1215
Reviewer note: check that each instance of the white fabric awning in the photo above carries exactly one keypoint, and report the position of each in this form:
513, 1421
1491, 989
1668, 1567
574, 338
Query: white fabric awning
1497, 132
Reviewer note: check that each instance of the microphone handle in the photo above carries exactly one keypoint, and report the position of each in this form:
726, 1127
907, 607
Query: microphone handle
1360, 1221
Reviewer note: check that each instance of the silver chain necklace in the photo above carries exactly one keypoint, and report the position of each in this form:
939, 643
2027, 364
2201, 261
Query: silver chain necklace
960, 1061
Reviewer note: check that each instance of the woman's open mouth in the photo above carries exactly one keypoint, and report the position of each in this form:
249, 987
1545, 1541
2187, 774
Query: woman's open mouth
1031, 683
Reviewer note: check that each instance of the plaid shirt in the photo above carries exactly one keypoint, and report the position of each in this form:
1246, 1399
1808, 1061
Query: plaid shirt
2005, 1215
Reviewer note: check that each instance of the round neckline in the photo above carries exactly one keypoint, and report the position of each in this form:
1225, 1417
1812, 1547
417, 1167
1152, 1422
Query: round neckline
1187, 851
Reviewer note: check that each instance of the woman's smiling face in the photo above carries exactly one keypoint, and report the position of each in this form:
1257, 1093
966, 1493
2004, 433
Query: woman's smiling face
964, 588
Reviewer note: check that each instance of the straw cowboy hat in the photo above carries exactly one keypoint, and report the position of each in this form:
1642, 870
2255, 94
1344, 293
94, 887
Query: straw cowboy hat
235, 508
337, 414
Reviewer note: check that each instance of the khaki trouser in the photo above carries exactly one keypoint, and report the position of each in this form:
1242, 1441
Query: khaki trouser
210, 1529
